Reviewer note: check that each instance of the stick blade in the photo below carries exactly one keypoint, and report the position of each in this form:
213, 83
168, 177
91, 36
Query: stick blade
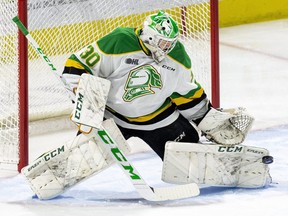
168, 193
177, 192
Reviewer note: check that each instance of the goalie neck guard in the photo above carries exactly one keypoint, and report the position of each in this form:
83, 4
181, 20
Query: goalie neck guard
159, 34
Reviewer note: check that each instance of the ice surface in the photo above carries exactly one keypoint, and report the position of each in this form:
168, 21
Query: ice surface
254, 62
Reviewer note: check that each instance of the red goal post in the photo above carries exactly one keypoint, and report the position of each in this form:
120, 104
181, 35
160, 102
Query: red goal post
32, 102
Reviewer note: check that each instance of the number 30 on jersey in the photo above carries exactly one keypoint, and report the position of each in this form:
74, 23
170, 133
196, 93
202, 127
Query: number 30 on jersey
91, 57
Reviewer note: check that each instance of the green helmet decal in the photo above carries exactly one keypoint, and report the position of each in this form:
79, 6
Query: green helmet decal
164, 25
159, 34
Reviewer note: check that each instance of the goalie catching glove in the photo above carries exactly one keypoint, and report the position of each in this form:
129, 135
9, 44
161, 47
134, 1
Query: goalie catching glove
226, 127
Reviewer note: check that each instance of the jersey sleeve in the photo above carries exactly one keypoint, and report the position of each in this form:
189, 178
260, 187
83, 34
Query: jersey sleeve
87, 60
189, 96
191, 99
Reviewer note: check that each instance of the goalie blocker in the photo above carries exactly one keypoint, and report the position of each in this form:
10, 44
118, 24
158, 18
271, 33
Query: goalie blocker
216, 165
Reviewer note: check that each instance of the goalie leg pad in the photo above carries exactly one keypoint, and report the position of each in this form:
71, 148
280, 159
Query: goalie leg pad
215, 165
61, 168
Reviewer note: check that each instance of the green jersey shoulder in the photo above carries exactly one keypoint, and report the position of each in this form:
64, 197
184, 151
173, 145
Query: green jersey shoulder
119, 41
180, 55
125, 40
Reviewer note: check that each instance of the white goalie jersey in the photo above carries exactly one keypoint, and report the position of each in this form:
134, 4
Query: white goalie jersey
146, 95
143, 93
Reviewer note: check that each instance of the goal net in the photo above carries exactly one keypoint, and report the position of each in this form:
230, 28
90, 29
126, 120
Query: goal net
61, 27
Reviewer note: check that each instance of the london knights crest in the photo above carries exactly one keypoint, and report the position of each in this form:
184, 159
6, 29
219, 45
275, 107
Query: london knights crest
140, 82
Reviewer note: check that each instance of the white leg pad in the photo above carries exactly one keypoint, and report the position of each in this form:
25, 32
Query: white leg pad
61, 168
215, 165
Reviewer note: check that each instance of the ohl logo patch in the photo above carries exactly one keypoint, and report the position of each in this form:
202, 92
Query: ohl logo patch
132, 61
140, 82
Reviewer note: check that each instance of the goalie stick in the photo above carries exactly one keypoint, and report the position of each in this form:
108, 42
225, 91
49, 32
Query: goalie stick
144, 190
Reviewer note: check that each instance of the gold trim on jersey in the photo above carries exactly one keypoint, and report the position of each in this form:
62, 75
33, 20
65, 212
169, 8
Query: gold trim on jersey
187, 68
73, 63
145, 118
182, 100
148, 117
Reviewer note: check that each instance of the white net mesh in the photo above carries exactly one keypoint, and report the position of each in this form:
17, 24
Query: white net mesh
61, 27
8, 85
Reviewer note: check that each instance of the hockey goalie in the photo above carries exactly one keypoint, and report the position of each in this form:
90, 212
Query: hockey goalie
141, 82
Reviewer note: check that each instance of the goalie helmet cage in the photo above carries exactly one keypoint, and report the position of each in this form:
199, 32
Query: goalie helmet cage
61, 27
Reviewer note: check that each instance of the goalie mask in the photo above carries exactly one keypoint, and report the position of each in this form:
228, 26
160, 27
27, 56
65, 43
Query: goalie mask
159, 34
